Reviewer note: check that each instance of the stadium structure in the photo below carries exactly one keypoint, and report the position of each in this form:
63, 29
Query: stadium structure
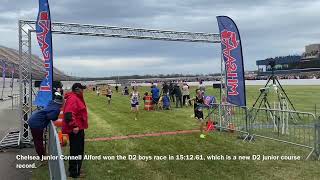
11, 57
309, 61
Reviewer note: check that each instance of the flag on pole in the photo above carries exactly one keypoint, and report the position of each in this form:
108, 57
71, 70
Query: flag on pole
44, 37
12, 75
233, 59
3, 78
4, 74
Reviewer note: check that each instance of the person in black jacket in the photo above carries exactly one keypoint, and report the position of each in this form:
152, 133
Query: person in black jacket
171, 92
165, 89
178, 94
117, 88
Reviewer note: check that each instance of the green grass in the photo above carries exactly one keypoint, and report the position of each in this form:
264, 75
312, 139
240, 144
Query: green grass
115, 120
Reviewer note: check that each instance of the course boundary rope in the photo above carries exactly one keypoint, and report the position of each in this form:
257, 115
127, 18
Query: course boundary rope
134, 136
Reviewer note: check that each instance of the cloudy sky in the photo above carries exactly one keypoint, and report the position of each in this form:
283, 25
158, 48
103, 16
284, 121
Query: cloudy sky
267, 28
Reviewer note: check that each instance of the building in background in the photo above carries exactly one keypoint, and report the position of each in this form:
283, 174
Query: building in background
312, 52
309, 61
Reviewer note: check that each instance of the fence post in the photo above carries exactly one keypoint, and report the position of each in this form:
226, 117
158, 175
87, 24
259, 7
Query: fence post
220, 117
317, 137
12, 98
247, 119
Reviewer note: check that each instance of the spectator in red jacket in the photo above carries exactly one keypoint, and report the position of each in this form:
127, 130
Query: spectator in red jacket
74, 123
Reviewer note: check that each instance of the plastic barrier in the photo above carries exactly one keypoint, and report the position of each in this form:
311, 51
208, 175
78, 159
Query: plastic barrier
148, 104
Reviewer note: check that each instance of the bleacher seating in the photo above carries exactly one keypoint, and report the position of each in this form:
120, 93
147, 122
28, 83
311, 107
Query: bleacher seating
38, 71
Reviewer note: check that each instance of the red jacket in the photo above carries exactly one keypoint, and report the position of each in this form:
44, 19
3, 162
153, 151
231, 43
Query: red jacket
75, 113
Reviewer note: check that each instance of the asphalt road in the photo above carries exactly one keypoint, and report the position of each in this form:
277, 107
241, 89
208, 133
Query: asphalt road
8, 162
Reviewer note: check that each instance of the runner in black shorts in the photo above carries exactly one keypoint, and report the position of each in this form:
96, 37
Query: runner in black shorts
198, 110
109, 94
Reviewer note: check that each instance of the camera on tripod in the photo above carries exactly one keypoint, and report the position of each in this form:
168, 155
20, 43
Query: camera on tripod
264, 90
269, 88
272, 63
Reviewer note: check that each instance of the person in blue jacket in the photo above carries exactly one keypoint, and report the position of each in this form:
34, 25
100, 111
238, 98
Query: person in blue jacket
166, 102
40, 120
155, 94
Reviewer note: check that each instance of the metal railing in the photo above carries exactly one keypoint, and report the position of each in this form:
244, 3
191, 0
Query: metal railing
56, 167
317, 142
291, 127
230, 117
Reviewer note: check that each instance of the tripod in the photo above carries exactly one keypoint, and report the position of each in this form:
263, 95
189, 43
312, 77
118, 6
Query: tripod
282, 103
275, 83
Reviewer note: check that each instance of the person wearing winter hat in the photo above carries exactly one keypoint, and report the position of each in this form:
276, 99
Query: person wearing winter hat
40, 120
74, 123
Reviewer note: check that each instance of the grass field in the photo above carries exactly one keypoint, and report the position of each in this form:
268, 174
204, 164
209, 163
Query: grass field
117, 120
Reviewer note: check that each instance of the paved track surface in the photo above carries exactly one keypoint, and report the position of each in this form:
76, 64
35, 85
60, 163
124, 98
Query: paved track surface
9, 119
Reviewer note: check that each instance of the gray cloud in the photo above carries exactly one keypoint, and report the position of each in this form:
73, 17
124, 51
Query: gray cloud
267, 28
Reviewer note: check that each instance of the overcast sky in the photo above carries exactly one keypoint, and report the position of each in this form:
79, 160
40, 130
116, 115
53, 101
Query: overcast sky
267, 28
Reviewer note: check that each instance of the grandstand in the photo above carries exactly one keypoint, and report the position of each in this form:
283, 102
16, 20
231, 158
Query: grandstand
11, 56
312, 52
309, 61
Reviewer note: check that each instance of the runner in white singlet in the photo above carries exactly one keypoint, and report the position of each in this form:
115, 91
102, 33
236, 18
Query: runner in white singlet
134, 99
